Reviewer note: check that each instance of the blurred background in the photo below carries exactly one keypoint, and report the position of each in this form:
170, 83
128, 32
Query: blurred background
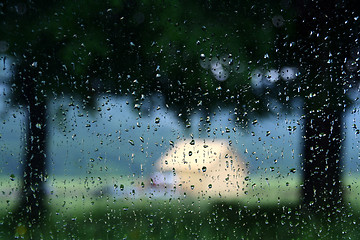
144, 120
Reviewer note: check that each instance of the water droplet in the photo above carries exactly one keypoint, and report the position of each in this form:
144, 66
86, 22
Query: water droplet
278, 21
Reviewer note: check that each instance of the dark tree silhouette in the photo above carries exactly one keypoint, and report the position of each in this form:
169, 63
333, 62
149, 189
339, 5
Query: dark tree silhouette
326, 32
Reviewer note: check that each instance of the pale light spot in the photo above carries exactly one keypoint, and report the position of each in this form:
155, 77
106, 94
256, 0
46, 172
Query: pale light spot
219, 72
288, 73
272, 75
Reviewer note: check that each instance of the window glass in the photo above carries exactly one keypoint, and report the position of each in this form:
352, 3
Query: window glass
179, 120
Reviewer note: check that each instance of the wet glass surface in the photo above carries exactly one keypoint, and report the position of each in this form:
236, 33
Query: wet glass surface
179, 120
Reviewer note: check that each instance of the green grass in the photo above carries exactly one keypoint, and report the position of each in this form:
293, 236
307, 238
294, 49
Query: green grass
180, 220
88, 191
269, 210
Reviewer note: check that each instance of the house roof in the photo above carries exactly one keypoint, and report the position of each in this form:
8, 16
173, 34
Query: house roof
201, 154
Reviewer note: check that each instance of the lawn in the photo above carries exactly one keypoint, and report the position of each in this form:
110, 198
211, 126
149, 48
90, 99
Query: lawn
111, 207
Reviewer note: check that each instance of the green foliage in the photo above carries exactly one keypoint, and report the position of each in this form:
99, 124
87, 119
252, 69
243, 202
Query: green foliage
83, 48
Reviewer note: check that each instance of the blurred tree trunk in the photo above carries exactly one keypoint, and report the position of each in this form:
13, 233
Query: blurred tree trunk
32, 205
323, 47
322, 166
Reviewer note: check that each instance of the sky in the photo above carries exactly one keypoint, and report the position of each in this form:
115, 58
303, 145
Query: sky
116, 140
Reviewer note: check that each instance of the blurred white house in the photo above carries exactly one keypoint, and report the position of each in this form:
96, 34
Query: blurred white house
201, 168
